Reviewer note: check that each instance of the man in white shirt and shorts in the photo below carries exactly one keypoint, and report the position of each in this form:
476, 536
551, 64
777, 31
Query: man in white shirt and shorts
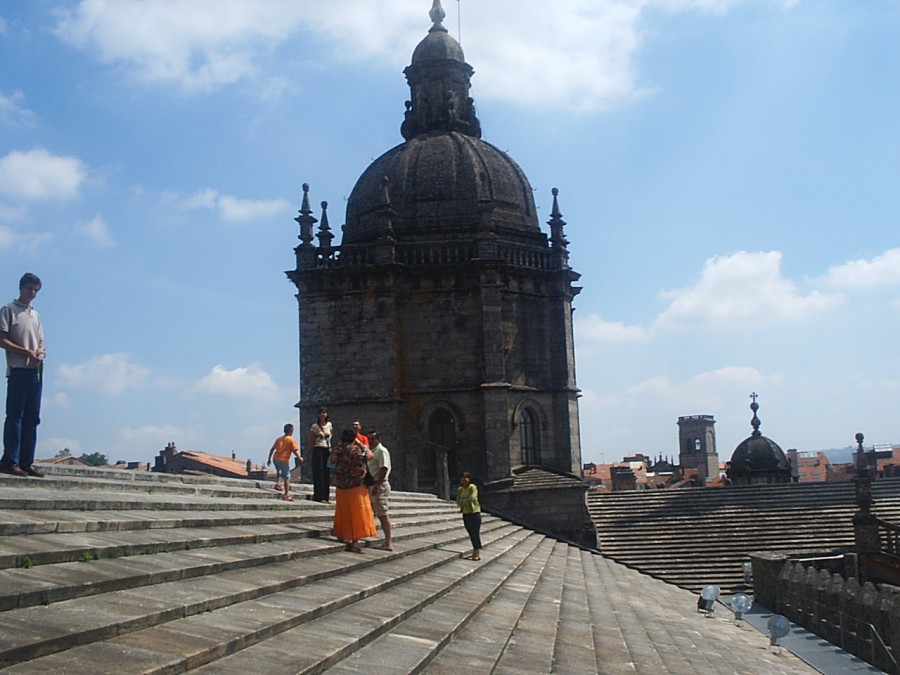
380, 490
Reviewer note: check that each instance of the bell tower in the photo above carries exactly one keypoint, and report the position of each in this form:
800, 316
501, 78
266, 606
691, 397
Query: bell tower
697, 446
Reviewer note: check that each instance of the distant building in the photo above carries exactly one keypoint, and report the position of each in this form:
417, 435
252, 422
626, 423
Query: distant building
171, 460
67, 460
812, 467
887, 460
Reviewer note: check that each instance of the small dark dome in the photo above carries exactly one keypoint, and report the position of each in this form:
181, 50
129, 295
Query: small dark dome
435, 183
758, 454
758, 459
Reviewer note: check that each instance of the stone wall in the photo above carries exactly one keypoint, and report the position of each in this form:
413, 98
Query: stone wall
390, 345
561, 511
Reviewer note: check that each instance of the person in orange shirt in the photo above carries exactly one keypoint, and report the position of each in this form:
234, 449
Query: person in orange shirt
360, 436
282, 449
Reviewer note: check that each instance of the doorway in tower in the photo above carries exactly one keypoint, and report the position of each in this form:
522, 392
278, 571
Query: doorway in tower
436, 461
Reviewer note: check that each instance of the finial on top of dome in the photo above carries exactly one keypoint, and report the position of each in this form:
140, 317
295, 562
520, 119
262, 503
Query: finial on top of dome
755, 421
437, 15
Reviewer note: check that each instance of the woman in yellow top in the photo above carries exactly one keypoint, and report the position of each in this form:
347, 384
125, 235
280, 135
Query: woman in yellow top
467, 499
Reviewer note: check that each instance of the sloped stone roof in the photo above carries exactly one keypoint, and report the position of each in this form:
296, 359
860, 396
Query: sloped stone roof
530, 477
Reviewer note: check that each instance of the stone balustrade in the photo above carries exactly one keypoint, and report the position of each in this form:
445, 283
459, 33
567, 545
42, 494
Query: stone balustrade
862, 619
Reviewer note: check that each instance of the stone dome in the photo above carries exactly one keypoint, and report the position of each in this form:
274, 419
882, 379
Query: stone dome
758, 454
444, 182
435, 183
438, 45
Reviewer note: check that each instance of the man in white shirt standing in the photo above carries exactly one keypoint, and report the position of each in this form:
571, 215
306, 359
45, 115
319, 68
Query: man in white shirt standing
22, 337
380, 490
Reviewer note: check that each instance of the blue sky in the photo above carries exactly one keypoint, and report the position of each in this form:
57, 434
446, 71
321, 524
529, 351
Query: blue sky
729, 171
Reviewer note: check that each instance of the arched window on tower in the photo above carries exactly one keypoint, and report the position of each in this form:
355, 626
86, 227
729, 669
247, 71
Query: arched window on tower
697, 445
528, 437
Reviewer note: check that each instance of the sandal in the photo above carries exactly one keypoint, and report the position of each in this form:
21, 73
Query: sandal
288, 498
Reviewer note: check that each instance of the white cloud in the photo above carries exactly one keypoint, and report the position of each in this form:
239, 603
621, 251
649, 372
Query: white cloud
109, 374
234, 209
155, 435
589, 63
58, 400
882, 270
29, 241
242, 210
49, 447
250, 381
743, 287
205, 199
726, 376
676, 6
578, 54
38, 175
191, 43
96, 231
13, 110
593, 328
704, 390
8, 212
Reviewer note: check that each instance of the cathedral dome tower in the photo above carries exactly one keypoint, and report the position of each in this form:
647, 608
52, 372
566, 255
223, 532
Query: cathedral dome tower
443, 317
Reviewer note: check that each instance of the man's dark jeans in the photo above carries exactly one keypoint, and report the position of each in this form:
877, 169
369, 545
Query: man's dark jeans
23, 414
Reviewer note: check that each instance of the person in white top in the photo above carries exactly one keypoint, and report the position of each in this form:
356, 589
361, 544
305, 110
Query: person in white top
22, 337
380, 490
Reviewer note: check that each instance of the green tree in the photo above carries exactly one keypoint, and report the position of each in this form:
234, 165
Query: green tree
94, 459
65, 452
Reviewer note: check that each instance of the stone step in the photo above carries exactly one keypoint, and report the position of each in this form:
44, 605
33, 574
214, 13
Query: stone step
63, 581
16, 523
34, 521
24, 552
104, 480
301, 603
532, 643
344, 600
470, 625
575, 651
611, 650
73, 500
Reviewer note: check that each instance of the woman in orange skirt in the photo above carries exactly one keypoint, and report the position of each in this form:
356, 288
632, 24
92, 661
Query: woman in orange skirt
353, 519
